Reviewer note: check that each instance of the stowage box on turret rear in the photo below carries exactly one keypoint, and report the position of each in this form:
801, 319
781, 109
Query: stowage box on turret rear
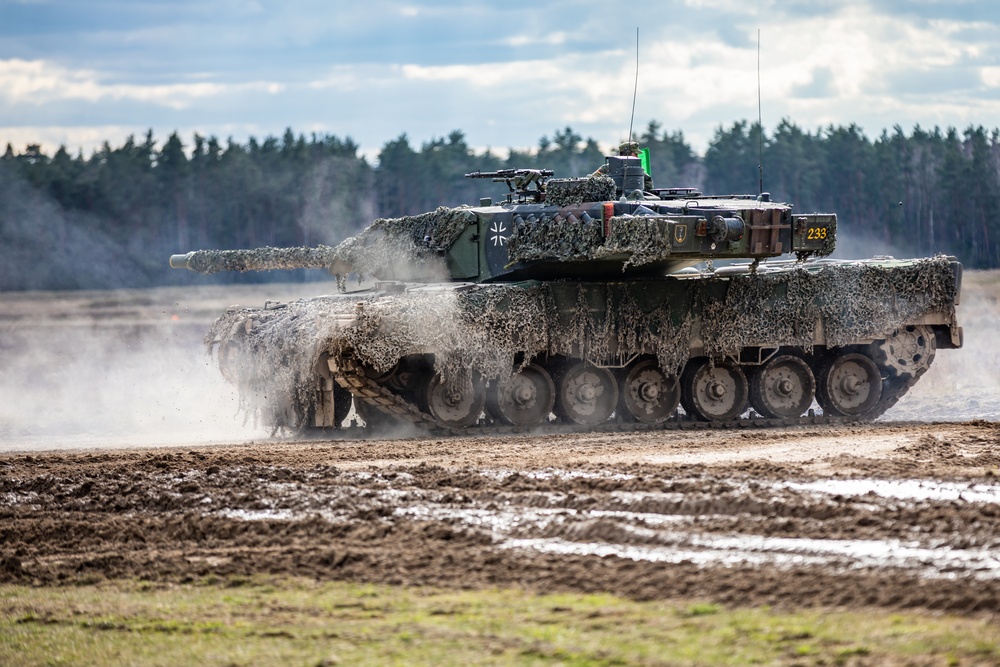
580, 302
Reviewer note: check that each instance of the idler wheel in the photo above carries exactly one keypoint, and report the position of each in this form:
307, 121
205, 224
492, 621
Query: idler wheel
648, 395
714, 392
587, 395
232, 359
457, 404
526, 399
849, 385
782, 388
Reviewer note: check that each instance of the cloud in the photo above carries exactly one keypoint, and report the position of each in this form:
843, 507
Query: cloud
820, 85
990, 76
39, 82
956, 10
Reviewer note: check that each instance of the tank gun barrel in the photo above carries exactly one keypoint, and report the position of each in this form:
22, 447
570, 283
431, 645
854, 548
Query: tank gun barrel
260, 259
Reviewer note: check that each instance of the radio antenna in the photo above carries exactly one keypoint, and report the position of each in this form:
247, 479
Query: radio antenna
760, 125
635, 89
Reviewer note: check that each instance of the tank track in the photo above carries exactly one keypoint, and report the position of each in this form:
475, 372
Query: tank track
352, 377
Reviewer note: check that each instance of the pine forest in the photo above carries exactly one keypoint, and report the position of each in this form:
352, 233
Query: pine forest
111, 219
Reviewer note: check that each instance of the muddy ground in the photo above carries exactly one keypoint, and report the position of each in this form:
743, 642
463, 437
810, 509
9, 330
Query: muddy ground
123, 455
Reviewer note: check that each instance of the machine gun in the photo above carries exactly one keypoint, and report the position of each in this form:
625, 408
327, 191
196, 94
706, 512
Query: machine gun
519, 181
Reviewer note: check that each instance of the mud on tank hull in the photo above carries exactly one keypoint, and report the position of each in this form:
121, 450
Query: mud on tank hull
853, 336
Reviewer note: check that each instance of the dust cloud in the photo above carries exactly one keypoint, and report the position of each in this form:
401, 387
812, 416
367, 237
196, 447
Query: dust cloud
92, 369
862, 246
963, 384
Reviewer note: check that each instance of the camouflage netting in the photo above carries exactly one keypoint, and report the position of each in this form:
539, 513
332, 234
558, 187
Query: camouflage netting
572, 191
390, 248
643, 238
565, 239
660, 331
261, 259
854, 301
481, 328
486, 328
411, 244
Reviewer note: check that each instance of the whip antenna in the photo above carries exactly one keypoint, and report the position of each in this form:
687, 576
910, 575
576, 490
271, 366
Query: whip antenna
760, 125
635, 89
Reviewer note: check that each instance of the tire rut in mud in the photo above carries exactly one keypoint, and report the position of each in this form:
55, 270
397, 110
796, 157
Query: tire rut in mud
915, 528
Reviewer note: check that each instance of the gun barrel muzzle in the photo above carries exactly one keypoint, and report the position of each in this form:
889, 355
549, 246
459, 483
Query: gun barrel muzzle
180, 261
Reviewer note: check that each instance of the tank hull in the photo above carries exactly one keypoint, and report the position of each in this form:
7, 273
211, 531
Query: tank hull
712, 347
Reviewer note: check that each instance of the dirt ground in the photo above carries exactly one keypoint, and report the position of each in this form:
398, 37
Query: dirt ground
121, 454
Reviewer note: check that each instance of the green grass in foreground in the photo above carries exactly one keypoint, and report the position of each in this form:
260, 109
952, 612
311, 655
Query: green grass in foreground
266, 621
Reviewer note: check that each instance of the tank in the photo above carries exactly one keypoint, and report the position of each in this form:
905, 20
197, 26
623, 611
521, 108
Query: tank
587, 303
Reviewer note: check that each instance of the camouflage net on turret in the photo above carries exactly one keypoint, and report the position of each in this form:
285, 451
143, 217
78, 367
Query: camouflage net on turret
573, 191
644, 239
487, 328
566, 239
405, 248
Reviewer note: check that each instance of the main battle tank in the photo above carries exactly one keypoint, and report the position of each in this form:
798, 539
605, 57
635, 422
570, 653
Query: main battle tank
581, 303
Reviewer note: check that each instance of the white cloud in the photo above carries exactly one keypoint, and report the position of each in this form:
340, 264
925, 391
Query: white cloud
74, 138
990, 76
40, 82
552, 38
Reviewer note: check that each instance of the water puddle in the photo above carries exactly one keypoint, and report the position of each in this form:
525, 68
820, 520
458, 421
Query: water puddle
258, 515
693, 525
705, 550
553, 473
905, 489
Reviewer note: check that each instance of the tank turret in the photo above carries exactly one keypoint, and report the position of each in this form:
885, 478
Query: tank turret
545, 228
604, 226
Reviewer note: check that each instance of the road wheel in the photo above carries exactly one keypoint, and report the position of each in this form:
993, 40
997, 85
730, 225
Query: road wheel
457, 404
714, 392
586, 395
849, 384
782, 388
648, 395
526, 399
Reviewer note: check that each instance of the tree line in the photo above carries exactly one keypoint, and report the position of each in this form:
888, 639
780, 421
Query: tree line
110, 219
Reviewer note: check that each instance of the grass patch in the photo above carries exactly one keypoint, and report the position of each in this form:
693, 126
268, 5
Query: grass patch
266, 621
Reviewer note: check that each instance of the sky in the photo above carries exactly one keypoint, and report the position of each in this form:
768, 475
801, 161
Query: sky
506, 73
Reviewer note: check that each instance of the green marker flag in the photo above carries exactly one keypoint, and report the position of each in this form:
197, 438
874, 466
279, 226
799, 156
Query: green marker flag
644, 159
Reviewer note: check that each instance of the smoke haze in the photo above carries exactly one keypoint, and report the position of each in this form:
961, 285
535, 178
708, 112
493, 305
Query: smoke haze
121, 367
963, 384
